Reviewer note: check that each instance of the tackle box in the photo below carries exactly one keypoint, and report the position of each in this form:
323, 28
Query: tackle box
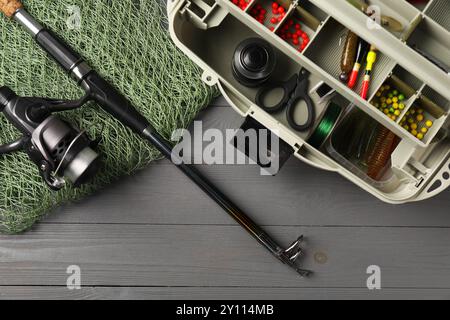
209, 31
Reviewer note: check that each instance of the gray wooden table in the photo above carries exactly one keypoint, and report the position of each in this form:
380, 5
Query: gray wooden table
156, 236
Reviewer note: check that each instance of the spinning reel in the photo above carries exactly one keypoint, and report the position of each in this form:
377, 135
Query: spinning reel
61, 151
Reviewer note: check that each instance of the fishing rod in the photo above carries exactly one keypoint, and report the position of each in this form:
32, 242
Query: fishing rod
113, 102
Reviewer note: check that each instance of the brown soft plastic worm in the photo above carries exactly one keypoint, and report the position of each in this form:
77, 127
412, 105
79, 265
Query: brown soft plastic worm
381, 152
9, 7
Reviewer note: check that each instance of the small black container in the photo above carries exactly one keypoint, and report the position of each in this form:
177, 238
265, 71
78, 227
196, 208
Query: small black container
254, 62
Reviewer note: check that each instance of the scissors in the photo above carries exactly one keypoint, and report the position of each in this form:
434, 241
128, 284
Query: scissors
295, 90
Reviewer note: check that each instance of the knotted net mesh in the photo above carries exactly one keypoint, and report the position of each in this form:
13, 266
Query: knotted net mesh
127, 42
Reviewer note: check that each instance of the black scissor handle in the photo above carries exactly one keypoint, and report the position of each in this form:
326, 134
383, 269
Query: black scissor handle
288, 87
292, 107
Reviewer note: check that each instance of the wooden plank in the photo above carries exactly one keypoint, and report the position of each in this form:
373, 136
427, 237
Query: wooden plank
220, 102
219, 293
299, 195
223, 256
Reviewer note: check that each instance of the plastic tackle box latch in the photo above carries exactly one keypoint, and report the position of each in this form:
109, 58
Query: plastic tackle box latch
262, 146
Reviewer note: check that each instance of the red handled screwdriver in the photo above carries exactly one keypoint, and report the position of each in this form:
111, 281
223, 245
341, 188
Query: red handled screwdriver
363, 50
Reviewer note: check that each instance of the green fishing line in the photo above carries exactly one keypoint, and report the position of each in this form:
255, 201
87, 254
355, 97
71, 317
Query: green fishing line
326, 126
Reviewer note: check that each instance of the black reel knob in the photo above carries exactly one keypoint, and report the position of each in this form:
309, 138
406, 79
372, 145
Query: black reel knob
254, 62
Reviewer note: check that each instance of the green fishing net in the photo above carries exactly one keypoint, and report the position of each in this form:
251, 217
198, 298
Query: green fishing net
127, 42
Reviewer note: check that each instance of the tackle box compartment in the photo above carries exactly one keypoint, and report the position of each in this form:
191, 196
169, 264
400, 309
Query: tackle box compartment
417, 164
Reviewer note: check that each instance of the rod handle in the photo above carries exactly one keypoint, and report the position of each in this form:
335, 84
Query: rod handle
9, 7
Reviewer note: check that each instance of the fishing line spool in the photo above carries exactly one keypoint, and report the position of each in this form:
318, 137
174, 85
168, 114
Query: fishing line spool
325, 126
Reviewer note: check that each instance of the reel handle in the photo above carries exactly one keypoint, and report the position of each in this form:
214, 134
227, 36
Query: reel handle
9, 7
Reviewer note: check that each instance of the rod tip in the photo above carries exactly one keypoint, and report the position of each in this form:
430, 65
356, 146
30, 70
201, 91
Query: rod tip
9, 7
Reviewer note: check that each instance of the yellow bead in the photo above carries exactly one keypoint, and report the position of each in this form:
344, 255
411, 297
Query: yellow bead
420, 136
406, 127
401, 106
396, 105
424, 130
410, 120
389, 101
386, 111
414, 126
420, 117
429, 123
397, 113
414, 133
395, 99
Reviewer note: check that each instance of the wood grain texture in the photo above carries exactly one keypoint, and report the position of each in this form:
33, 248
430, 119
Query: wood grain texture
299, 195
220, 293
223, 256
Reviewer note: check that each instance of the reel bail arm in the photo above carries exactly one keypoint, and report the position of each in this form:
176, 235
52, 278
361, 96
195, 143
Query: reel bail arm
13, 146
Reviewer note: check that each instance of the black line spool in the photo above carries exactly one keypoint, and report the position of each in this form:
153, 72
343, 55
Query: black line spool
254, 62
